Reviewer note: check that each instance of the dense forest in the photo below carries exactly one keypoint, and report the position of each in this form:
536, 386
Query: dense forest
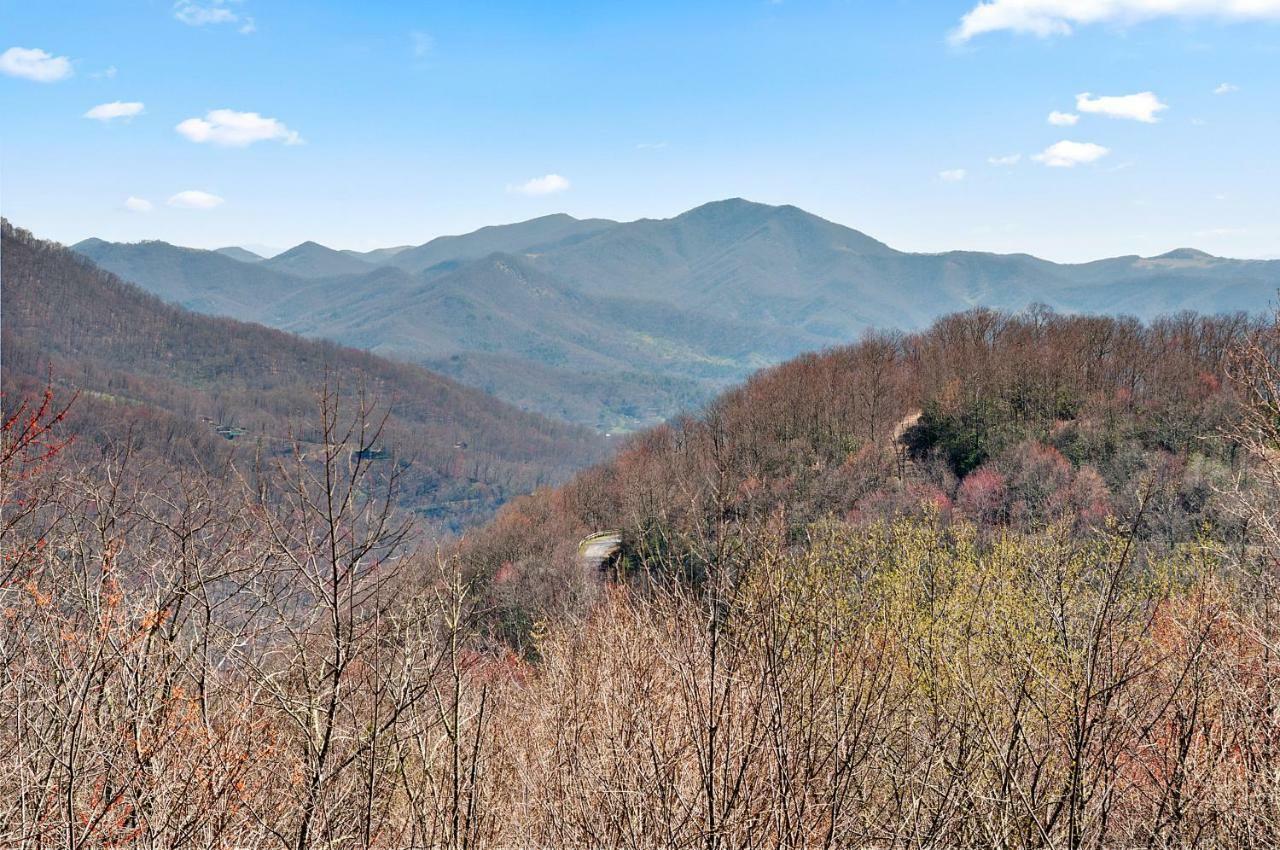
1007, 582
195, 389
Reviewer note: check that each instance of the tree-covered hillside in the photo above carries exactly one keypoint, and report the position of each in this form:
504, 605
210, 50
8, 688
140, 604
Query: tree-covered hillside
1003, 421
167, 379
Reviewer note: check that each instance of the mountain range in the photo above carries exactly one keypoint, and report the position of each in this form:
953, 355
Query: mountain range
620, 324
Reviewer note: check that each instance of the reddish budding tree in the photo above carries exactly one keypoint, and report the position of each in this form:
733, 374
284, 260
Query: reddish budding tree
28, 443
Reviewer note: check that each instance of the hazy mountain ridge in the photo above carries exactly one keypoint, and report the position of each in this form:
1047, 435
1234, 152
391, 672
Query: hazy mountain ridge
697, 301
525, 236
204, 281
377, 255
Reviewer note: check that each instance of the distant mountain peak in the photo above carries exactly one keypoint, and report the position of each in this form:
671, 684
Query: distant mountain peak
560, 216
727, 206
235, 252
743, 215
310, 246
1185, 254
311, 259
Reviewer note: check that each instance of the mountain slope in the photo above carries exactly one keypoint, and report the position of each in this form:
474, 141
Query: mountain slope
642, 358
135, 360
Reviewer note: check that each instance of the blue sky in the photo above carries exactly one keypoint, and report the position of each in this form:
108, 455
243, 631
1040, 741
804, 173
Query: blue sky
381, 123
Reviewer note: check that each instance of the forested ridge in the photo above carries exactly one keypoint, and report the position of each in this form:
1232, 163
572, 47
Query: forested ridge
995, 419
1006, 582
166, 378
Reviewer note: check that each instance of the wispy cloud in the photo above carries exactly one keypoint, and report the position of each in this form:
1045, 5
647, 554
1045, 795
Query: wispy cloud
1007, 159
116, 109
1045, 18
198, 14
194, 199
229, 128
1142, 106
1226, 88
138, 205
548, 184
423, 43
1067, 154
952, 175
1062, 119
32, 63
650, 146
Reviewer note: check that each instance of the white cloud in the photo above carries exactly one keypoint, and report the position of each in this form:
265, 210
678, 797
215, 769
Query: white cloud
952, 175
194, 199
546, 185
651, 146
115, 109
195, 14
139, 205
423, 43
108, 73
32, 63
1008, 159
1226, 88
1062, 119
1059, 17
1142, 106
229, 128
1069, 154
